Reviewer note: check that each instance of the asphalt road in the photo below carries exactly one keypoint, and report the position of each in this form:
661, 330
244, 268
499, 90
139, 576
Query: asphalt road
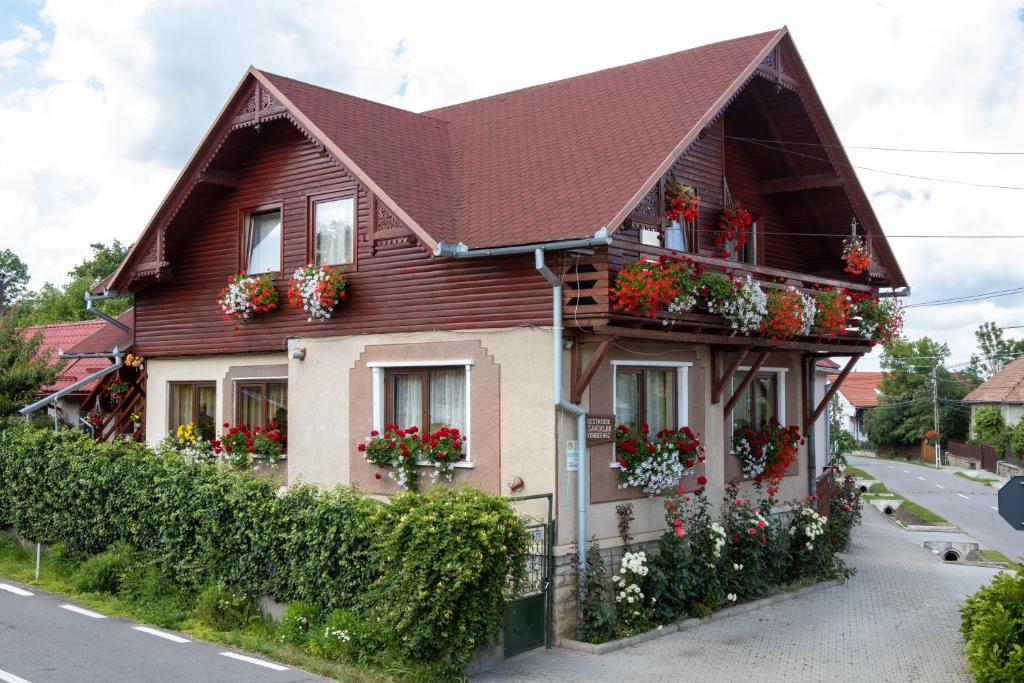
968, 505
42, 641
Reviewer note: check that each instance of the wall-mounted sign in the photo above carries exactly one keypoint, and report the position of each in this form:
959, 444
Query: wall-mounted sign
572, 456
600, 429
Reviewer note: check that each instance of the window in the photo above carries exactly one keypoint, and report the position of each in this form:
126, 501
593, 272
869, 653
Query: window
429, 398
748, 254
677, 236
425, 394
645, 395
334, 231
760, 401
193, 402
263, 242
260, 402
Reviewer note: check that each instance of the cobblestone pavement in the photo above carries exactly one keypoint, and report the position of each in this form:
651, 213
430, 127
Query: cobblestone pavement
895, 620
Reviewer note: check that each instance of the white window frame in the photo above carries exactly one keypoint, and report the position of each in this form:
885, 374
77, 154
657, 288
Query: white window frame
378, 368
682, 369
780, 375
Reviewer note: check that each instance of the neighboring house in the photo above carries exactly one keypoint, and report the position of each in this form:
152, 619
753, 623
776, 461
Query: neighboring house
1003, 391
64, 337
461, 231
823, 371
89, 338
857, 395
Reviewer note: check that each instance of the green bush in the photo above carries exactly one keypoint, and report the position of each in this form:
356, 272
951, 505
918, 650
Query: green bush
430, 570
988, 426
348, 636
298, 621
224, 608
992, 623
104, 573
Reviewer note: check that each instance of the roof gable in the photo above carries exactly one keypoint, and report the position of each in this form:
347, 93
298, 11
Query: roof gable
860, 388
1006, 386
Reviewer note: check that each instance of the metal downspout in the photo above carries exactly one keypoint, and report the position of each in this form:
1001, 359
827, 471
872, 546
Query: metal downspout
582, 476
91, 299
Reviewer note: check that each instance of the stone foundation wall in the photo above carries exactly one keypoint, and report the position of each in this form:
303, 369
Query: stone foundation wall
1006, 469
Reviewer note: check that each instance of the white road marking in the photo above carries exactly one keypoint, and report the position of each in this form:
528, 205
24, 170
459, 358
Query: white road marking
82, 610
15, 590
906, 471
963, 496
994, 508
921, 478
892, 467
253, 660
939, 486
161, 634
11, 678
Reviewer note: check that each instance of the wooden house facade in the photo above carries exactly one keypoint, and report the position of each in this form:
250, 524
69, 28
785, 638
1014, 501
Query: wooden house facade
460, 229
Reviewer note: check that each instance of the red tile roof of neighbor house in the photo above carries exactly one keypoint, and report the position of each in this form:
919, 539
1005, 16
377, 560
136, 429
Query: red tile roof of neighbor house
1006, 386
860, 388
827, 363
86, 336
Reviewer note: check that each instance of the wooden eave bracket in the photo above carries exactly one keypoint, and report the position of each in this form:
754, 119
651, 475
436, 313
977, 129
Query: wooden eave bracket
718, 382
814, 414
580, 377
758, 363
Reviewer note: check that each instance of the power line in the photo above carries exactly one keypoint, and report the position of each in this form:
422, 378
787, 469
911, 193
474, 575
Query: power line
968, 298
879, 170
880, 149
839, 235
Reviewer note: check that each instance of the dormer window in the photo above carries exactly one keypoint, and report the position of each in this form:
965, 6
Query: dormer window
263, 242
333, 231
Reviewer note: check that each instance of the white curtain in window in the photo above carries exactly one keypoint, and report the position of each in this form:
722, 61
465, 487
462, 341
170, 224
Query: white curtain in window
407, 401
265, 242
659, 399
743, 411
277, 403
448, 398
334, 231
250, 406
627, 398
181, 406
675, 237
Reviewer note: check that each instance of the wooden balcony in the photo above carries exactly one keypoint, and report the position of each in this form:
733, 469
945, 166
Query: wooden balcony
587, 305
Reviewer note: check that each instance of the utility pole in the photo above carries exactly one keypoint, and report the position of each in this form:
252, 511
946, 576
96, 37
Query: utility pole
935, 414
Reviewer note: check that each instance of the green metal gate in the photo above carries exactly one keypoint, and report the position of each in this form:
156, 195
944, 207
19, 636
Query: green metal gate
526, 623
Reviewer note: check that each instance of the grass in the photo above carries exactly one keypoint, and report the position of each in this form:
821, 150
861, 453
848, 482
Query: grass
858, 472
878, 488
985, 481
168, 607
996, 556
908, 512
923, 514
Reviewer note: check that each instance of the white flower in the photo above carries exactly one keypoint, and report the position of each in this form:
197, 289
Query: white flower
737, 567
731, 597
630, 599
745, 309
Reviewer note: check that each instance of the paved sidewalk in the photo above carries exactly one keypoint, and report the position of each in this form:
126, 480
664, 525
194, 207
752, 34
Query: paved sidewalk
896, 620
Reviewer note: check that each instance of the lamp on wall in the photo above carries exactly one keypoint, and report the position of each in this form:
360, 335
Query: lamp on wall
299, 353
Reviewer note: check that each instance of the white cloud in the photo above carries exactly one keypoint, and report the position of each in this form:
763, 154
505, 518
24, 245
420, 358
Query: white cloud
100, 104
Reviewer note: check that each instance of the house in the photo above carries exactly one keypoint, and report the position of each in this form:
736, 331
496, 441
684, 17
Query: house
1003, 391
65, 336
481, 243
857, 395
824, 368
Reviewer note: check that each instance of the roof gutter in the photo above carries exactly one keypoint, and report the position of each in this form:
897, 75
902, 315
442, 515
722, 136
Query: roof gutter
116, 355
91, 299
900, 293
460, 250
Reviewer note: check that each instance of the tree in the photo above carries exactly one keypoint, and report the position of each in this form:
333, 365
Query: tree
1017, 440
23, 367
988, 425
994, 351
905, 410
840, 441
67, 304
13, 278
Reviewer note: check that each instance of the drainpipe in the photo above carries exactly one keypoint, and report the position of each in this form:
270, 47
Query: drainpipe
901, 293
91, 299
116, 355
582, 478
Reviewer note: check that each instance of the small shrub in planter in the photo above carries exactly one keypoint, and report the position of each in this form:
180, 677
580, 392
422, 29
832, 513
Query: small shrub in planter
247, 296
810, 550
658, 464
789, 314
878, 320
747, 530
992, 623
845, 511
597, 617
834, 307
634, 610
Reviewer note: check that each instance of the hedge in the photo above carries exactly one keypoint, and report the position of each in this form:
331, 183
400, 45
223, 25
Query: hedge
992, 624
430, 570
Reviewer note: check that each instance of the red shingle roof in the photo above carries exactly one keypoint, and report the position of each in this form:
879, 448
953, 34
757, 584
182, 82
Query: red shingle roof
86, 336
1006, 386
860, 388
548, 162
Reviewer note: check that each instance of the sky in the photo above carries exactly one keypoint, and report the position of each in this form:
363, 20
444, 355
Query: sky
101, 103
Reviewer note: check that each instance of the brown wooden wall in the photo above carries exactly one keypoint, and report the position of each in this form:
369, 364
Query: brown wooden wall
400, 288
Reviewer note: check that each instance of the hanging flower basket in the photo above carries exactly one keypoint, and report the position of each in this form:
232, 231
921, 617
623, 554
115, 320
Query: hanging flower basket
789, 314
767, 451
879, 320
681, 202
834, 309
317, 290
855, 252
733, 229
659, 463
247, 296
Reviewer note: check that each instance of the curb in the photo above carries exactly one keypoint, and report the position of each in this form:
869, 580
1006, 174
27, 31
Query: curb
686, 624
